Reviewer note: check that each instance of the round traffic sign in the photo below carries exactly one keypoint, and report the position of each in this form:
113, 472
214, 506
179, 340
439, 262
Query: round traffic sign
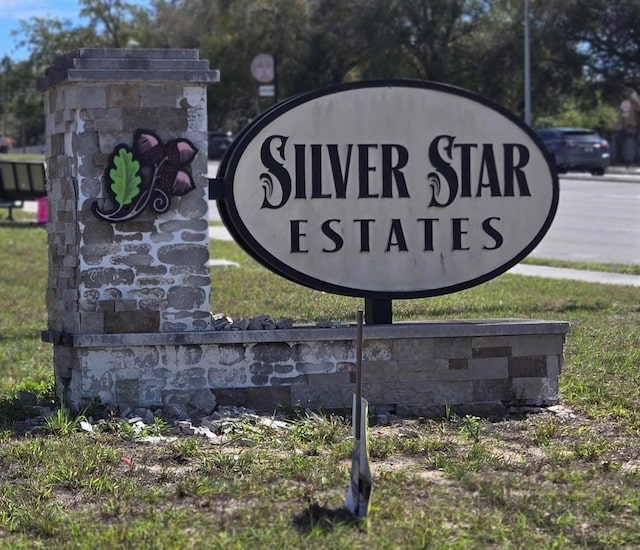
263, 68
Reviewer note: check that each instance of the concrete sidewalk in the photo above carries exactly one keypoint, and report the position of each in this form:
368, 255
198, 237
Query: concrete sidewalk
601, 277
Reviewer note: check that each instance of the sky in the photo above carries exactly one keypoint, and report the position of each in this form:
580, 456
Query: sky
12, 11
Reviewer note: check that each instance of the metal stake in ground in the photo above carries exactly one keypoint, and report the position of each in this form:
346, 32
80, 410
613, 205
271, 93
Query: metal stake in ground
359, 493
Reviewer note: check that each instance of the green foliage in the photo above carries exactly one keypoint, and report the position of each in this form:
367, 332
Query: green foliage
23, 256
606, 31
600, 116
541, 481
125, 176
584, 57
471, 426
21, 103
186, 448
63, 422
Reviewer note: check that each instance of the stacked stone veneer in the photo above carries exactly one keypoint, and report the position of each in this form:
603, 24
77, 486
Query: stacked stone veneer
128, 303
145, 275
478, 367
149, 274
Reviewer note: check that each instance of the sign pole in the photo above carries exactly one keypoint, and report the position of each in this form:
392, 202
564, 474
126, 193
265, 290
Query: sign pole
527, 67
358, 418
378, 311
275, 80
359, 492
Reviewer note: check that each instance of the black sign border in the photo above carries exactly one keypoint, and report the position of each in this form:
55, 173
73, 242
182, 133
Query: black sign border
233, 221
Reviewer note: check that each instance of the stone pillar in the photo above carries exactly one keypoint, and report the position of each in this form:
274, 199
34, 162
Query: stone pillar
148, 273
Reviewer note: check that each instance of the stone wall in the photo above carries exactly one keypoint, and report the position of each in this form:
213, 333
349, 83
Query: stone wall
128, 301
412, 369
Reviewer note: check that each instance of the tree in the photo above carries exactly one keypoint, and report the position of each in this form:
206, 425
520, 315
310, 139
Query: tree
434, 32
607, 32
22, 102
111, 23
47, 38
114, 21
331, 47
245, 29
178, 23
494, 57
584, 53
5, 67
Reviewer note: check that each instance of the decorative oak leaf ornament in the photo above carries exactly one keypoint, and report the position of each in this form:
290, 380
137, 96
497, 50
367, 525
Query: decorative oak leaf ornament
125, 176
149, 174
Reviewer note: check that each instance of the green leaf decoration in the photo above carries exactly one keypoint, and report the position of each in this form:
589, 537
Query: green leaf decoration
125, 177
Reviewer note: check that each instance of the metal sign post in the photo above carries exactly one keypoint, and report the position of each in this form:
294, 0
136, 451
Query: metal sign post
359, 492
378, 311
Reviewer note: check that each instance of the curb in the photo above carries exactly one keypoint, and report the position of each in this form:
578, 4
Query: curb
601, 277
622, 176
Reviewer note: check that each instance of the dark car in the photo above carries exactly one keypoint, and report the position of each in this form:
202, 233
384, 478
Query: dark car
219, 142
576, 149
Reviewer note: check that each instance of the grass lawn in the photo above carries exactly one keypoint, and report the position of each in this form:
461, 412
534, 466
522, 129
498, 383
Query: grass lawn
538, 481
21, 156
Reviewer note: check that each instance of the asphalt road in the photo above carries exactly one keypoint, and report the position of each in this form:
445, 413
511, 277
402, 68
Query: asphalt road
598, 220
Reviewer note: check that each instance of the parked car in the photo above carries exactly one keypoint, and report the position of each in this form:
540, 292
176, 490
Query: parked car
5, 144
219, 142
576, 149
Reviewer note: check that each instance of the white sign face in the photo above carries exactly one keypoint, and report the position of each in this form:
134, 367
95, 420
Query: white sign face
267, 90
392, 189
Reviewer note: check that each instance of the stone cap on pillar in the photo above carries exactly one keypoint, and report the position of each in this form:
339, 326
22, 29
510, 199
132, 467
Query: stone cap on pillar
128, 65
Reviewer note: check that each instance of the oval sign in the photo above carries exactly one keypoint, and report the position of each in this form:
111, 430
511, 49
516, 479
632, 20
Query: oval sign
388, 189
